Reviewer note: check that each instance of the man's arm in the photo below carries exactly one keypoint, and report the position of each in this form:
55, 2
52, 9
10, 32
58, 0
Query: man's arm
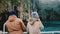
22, 25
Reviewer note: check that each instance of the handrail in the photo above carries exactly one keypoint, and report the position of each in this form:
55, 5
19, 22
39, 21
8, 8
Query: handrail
49, 32
41, 32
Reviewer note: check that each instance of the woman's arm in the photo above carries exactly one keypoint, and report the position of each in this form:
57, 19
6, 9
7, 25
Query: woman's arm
40, 25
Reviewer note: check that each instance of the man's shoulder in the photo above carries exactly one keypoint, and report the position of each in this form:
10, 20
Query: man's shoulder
19, 19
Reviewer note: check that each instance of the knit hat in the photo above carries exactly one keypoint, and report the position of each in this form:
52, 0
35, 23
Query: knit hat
35, 15
13, 12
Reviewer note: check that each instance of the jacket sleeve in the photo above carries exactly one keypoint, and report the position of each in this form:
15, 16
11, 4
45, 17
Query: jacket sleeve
22, 25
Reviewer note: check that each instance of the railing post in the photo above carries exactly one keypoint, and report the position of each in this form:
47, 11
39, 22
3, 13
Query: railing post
0, 32
4, 28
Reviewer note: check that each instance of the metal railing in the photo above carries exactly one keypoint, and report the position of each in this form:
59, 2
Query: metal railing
52, 32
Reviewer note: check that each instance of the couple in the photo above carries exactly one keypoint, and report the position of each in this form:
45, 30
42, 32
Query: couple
16, 25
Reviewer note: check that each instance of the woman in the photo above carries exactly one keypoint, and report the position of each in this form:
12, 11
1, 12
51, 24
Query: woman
34, 24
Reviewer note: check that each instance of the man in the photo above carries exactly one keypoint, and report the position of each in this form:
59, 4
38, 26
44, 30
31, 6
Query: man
15, 25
